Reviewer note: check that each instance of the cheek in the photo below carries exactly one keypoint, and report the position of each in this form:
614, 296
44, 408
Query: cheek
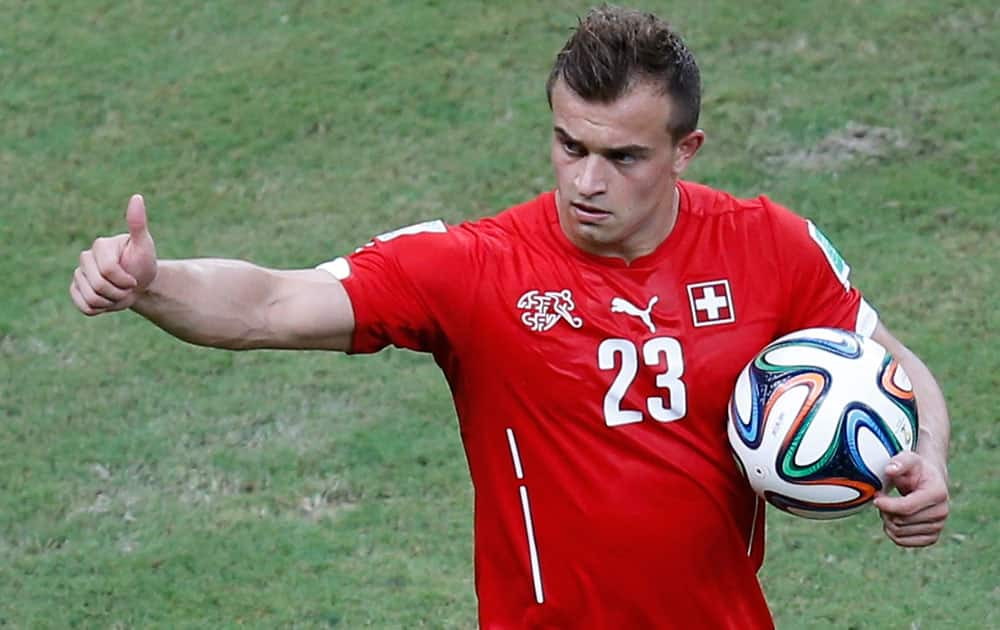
563, 168
651, 182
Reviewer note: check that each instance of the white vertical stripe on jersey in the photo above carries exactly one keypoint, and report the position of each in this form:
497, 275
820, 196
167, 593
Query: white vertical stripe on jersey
529, 526
514, 454
536, 571
753, 526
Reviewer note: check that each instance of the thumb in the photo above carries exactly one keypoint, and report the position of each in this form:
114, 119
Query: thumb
135, 215
138, 256
903, 471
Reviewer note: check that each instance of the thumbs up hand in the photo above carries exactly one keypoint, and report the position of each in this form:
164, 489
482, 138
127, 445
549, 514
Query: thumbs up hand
117, 269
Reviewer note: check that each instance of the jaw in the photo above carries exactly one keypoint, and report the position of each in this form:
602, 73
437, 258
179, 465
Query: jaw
611, 235
604, 237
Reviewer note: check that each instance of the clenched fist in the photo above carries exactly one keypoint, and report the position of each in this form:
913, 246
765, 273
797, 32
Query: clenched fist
116, 269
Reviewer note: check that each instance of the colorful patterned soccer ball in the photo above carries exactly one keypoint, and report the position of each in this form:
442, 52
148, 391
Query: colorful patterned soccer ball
816, 416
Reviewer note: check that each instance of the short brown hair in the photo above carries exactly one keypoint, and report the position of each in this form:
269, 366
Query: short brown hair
614, 48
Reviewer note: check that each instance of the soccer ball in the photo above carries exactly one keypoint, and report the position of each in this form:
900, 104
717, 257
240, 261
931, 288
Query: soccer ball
815, 417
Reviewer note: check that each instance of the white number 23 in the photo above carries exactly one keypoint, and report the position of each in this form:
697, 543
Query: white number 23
652, 350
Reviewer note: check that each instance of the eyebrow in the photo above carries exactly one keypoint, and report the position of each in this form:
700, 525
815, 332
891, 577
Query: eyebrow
637, 150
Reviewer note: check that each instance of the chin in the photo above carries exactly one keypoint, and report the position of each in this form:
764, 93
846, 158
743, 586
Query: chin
596, 235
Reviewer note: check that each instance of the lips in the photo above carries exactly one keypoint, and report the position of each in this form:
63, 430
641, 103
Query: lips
589, 213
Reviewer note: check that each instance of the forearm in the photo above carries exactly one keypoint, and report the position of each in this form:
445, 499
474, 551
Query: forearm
935, 426
209, 302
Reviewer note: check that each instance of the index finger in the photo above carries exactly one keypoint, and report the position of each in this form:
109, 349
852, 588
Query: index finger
906, 505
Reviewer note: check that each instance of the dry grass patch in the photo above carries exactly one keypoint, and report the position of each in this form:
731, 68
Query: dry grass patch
854, 142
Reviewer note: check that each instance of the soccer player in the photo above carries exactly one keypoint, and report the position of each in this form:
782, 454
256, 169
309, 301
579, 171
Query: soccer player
590, 348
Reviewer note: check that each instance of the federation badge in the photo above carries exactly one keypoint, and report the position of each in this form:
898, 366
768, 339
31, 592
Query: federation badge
711, 303
542, 311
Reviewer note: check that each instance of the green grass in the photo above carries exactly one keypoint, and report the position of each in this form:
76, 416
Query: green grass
146, 483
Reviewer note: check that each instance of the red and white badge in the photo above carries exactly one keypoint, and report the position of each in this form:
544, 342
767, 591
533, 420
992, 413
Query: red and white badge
711, 303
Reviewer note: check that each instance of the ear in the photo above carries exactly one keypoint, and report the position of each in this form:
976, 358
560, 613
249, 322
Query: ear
686, 149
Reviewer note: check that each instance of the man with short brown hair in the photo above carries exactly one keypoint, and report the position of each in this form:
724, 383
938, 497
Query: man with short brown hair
590, 347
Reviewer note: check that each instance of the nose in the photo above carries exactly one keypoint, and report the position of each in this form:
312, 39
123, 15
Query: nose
590, 179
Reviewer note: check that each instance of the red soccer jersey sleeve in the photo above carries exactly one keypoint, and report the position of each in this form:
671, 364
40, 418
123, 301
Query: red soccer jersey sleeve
403, 287
818, 278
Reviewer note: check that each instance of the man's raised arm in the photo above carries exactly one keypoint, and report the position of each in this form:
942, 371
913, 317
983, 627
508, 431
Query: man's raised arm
211, 302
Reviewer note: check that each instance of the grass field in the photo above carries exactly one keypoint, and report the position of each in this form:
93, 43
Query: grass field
145, 483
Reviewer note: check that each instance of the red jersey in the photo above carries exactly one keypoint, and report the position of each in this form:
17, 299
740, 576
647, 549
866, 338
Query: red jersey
591, 398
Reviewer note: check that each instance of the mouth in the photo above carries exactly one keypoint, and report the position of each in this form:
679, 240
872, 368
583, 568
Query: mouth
589, 214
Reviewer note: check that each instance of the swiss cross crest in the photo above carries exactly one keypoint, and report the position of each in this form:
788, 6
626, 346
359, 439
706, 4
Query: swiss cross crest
543, 310
711, 303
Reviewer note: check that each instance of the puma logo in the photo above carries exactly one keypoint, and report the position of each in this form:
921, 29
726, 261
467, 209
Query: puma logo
621, 305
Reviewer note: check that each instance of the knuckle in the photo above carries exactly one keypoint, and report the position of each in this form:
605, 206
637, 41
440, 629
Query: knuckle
103, 242
102, 248
88, 295
99, 285
104, 266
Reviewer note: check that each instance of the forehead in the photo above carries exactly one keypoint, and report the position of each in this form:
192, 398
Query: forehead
639, 117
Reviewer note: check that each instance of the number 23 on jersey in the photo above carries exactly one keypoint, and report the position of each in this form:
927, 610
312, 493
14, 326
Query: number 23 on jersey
624, 355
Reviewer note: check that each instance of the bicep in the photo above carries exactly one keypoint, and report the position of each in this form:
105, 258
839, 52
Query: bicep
308, 309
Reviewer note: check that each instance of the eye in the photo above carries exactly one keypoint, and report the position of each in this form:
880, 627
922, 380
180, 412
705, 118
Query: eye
621, 157
571, 147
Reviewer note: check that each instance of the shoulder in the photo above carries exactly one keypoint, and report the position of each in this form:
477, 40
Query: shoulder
757, 218
709, 202
435, 245
490, 237
524, 218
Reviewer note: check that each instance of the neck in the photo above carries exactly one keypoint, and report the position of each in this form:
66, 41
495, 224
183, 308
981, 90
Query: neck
665, 230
